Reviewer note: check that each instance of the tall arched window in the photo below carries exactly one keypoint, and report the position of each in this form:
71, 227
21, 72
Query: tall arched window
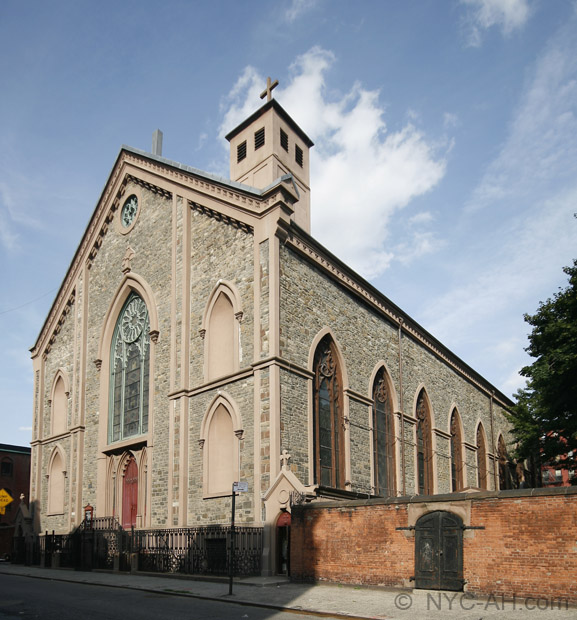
129, 371
221, 338
59, 407
56, 477
505, 478
481, 458
220, 438
329, 448
383, 436
424, 447
456, 453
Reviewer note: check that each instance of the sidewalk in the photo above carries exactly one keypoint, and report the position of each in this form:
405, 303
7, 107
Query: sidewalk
277, 593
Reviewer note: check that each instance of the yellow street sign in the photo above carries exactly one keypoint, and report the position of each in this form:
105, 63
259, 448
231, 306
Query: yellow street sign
5, 498
2, 510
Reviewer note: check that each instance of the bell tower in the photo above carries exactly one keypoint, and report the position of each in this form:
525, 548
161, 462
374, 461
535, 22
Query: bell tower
269, 145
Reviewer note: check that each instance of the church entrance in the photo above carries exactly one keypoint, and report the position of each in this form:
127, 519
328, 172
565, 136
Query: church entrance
283, 535
130, 494
439, 552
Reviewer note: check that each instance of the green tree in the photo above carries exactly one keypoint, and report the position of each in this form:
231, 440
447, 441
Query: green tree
545, 415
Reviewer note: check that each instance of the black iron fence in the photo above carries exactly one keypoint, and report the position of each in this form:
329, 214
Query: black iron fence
199, 550
103, 544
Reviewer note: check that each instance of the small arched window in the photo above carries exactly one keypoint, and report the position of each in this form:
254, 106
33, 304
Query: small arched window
481, 458
129, 371
328, 431
424, 447
456, 453
383, 436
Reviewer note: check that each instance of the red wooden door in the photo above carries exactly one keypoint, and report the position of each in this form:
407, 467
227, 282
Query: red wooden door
130, 495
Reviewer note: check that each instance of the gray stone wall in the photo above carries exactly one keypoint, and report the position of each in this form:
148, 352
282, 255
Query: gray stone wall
151, 241
311, 301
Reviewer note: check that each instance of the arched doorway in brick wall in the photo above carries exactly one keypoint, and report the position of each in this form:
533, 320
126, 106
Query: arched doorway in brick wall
439, 551
283, 535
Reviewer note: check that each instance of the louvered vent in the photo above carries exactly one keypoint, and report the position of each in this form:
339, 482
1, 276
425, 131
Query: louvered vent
258, 139
241, 151
284, 140
298, 155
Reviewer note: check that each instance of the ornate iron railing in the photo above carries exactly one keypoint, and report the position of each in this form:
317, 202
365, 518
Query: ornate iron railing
104, 544
200, 550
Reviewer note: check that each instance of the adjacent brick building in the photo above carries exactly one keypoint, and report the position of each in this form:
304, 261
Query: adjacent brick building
14, 481
202, 336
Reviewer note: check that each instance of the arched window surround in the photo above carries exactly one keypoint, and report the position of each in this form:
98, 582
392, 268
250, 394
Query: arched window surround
55, 429
342, 426
456, 450
482, 468
424, 447
381, 372
131, 283
228, 403
228, 289
56, 488
503, 463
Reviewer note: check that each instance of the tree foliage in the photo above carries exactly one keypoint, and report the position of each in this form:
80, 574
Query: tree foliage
545, 415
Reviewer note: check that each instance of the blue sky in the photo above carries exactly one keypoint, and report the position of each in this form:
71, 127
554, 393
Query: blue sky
445, 160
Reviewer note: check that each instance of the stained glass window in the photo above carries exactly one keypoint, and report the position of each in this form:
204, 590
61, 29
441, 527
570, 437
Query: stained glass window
328, 417
424, 450
456, 453
481, 458
383, 437
129, 371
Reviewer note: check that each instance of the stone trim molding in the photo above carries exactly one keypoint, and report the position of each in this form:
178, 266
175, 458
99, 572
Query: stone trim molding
298, 240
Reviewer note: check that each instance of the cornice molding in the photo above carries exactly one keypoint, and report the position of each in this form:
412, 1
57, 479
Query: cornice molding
307, 247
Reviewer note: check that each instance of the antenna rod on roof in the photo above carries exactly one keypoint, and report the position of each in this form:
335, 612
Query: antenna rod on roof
157, 143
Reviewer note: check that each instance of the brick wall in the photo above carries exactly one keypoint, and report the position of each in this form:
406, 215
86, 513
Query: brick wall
527, 548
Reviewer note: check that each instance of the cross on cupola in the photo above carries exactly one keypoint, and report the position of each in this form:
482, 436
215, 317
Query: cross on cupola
267, 92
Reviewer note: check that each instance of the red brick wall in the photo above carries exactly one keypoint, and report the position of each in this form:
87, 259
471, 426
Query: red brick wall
528, 546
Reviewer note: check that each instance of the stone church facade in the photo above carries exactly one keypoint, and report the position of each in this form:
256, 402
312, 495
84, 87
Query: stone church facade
201, 336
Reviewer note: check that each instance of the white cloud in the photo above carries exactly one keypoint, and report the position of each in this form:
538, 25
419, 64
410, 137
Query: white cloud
508, 15
298, 8
541, 150
363, 174
530, 192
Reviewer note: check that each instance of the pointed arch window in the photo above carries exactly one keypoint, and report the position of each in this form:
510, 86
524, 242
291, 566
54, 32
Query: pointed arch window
456, 453
56, 481
329, 448
383, 436
221, 338
129, 371
424, 447
505, 478
481, 458
59, 407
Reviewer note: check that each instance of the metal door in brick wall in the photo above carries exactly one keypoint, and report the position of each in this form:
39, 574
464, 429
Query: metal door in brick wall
439, 552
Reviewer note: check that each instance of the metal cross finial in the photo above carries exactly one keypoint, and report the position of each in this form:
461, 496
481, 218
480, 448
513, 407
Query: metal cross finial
267, 92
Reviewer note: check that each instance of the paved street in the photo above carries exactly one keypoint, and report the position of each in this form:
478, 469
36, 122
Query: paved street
31, 592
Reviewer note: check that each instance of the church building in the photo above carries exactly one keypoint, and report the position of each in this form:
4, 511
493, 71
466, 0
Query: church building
202, 336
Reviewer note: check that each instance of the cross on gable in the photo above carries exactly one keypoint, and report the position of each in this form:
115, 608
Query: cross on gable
267, 92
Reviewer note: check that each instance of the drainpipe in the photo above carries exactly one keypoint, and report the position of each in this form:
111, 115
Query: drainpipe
495, 479
403, 469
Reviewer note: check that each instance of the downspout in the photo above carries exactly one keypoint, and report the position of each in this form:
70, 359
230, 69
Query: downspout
495, 480
403, 469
